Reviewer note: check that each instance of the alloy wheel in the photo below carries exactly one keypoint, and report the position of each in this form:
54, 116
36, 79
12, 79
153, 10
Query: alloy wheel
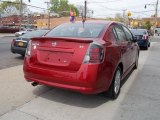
117, 81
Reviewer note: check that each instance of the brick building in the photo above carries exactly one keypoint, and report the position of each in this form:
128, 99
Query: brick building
144, 20
10, 20
15, 20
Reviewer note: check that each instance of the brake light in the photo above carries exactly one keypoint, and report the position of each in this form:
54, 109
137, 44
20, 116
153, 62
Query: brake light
13, 42
145, 37
28, 50
95, 54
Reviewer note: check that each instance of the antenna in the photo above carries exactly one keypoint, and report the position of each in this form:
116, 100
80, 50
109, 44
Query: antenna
85, 12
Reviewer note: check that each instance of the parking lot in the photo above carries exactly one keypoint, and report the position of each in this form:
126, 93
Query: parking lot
139, 98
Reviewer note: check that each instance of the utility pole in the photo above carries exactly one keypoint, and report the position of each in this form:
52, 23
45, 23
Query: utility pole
48, 14
124, 16
20, 10
85, 11
155, 18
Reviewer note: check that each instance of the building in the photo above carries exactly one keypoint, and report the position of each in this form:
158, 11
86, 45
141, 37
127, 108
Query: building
10, 20
54, 21
14, 20
151, 21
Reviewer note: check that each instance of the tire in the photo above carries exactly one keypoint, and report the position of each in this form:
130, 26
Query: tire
22, 55
149, 45
146, 47
136, 62
115, 87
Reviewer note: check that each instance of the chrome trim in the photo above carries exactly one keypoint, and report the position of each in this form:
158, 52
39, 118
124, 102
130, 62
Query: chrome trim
20, 41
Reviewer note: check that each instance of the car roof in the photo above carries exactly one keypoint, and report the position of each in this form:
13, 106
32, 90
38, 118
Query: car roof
106, 22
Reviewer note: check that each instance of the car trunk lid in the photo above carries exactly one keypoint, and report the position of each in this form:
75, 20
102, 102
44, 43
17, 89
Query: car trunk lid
59, 53
21, 42
138, 37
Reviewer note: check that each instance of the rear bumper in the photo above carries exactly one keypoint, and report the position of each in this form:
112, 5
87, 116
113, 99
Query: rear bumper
18, 50
143, 43
84, 90
85, 80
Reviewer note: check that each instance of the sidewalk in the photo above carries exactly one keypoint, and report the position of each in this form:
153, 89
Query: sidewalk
7, 35
15, 91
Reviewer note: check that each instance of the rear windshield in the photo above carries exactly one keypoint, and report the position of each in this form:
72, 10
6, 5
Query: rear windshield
139, 32
36, 33
79, 30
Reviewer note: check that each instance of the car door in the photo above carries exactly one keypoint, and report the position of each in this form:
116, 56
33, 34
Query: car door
123, 45
132, 45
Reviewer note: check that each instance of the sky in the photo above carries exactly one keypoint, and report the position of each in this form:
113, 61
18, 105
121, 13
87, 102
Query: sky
108, 8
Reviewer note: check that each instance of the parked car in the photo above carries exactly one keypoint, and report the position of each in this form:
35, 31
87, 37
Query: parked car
19, 44
142, 37
8, 29
157, 31
20, 33
89, 58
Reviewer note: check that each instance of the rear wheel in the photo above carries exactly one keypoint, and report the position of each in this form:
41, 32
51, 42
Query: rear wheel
114, 89
22, 55
136, 61
146, 47
149, 45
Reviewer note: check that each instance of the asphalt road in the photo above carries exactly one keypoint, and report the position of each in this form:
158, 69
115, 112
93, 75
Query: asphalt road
139, 98
8, 59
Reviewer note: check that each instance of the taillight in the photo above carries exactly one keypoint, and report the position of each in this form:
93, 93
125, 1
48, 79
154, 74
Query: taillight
95, 54
28, 50
145, 37
13, 42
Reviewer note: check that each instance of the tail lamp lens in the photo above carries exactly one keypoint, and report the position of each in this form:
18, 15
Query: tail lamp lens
28, 50
13, 42
95, 54
145, 37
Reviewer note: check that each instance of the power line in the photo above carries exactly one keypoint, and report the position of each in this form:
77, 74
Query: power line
108, 8
143, 11
25, 4
105, 2
48, 3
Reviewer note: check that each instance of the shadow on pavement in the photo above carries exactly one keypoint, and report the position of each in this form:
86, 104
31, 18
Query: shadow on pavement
20, 57
126, 78
41, 89
73, 98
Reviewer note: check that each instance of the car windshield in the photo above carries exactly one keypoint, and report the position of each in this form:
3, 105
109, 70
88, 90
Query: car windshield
139, 32
88, 30
36, 33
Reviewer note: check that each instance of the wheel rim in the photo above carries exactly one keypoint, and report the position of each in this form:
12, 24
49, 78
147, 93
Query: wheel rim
137, 62
117, 81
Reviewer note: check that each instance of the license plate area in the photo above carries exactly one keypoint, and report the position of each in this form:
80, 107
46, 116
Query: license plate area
20, 44
54, 57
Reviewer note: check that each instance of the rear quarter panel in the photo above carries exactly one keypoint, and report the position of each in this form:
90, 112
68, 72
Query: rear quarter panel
112, 57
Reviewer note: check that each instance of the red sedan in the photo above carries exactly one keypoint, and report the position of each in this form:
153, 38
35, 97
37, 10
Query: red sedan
90, 57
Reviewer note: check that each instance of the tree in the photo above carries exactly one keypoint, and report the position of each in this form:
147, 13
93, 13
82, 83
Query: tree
11, 8
80, 9
54, 5
110, 19
118, 17
148, 25
62, 7
73, 8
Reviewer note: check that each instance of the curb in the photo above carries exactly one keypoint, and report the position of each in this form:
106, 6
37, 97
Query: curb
7, 35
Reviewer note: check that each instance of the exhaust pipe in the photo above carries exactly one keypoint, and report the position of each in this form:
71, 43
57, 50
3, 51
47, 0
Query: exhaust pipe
34, 83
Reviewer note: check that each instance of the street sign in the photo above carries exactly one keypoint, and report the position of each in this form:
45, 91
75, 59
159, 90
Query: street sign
129, 14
